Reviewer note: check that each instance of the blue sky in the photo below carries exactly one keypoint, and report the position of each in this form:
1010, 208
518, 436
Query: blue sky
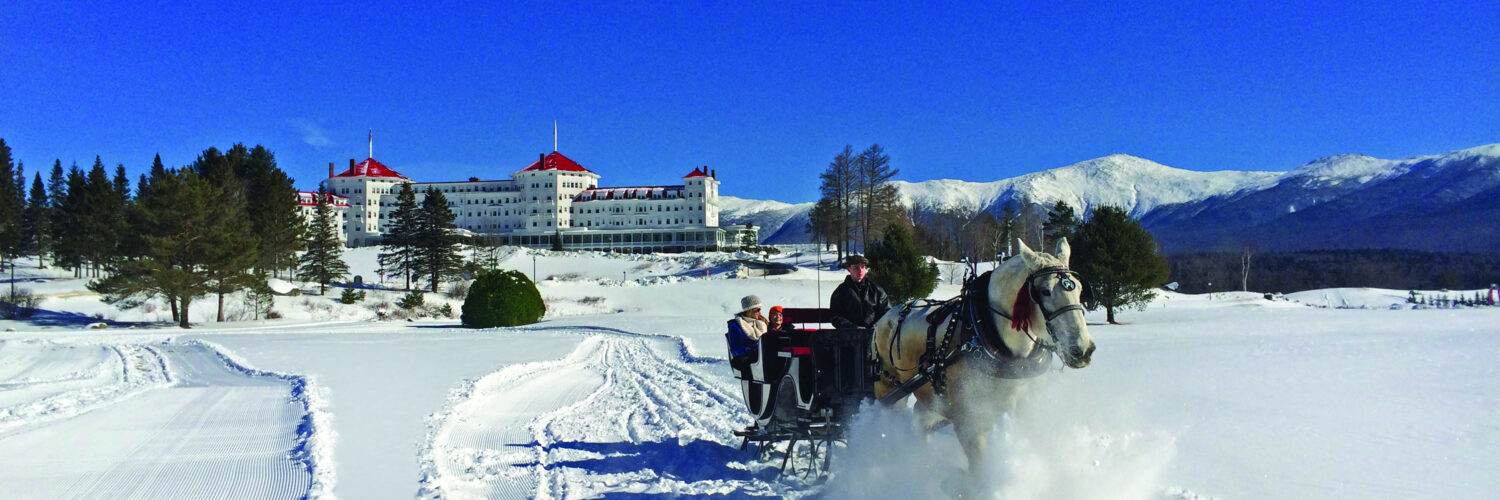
765, 93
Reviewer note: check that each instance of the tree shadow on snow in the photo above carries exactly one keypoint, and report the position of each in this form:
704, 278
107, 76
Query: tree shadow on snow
66, 319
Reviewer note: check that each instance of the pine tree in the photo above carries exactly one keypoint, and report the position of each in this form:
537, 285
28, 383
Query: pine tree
437, 246
229, 260
101, 218
121, 184
1119, 259
57, 189
271, 204
1061, 222
899, 268
184, 224
38, 223
11, 220
323, 262
398, 246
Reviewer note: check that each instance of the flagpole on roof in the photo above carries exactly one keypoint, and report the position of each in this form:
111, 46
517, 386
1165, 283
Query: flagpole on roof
372, 143
554, 136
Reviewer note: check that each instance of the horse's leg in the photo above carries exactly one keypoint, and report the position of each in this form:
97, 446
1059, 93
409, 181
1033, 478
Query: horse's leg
929, 410
974, 413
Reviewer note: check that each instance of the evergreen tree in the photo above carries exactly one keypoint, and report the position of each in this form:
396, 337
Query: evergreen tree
101, 218
185, 225
398, 246
70, 239
1007, 230
121, 184
10, 211
899, 268
229, 261
271, 205
10, 222
323, 262
437, 246
38, 223
1061, 222
57, 189
1119, 259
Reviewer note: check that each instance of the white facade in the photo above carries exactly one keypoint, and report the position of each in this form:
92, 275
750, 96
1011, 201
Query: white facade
553, 198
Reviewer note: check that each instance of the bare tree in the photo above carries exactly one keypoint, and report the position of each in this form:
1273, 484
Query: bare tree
1245, 269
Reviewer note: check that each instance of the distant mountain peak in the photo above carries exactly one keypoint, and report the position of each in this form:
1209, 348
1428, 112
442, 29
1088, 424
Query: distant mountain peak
1198, 209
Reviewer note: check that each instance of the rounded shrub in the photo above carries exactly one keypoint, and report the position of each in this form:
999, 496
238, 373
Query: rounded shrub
502, 298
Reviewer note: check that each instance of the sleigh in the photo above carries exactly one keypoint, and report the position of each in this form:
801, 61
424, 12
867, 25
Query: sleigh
803, 385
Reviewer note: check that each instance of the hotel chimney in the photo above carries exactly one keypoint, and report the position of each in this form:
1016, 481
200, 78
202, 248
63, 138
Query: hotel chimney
330, 170
351, 167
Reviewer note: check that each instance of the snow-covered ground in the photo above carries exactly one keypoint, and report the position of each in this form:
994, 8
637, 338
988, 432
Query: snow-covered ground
622, 391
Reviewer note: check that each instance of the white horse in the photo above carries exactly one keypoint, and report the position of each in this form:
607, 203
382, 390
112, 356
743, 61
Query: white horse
1032, 306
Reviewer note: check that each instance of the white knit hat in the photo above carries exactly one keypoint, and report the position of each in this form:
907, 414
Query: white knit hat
748, 303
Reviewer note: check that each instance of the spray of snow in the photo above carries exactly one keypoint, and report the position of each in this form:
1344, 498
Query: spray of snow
1054, 447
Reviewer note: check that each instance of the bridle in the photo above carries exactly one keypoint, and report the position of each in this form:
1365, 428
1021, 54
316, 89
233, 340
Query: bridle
1069, 281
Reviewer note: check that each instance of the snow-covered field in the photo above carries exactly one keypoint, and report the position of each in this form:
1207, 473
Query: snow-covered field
622, 391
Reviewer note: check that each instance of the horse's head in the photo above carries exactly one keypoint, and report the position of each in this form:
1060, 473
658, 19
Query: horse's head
1057, 294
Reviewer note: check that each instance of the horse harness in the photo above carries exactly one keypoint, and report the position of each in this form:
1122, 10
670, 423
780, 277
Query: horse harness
964, 315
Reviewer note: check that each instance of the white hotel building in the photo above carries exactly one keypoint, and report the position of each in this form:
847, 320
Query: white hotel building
554, 197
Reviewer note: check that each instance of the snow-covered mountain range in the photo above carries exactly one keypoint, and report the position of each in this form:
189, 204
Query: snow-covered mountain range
1437, 202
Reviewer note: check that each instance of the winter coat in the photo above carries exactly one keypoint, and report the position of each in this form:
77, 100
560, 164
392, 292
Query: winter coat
744, 334
857, 304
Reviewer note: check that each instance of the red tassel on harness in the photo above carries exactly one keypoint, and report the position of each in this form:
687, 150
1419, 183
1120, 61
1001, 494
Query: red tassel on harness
1021, 313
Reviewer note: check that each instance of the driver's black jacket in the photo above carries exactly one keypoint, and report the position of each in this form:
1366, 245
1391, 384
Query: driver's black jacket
857, 304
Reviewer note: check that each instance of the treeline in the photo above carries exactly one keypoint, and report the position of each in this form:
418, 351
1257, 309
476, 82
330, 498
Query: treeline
1309, 270
957, 234
220, 225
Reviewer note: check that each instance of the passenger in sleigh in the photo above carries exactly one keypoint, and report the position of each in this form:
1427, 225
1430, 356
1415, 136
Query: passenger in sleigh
777, 323
745, 331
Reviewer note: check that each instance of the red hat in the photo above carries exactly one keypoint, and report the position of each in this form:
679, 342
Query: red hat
776, 309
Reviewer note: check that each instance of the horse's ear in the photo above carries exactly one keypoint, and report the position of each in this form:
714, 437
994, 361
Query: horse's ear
1026, 254
1063, 251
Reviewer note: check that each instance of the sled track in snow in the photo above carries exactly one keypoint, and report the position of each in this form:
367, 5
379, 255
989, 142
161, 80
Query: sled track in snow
177, 420
614, 416
101, 375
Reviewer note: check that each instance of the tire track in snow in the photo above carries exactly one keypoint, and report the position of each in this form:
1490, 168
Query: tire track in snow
614, 416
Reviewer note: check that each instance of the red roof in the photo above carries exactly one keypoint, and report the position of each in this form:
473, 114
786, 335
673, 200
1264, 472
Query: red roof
703, 172
371, 168
555, 161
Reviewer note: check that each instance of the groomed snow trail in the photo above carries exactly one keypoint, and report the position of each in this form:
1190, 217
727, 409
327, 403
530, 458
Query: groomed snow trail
614, 416
214, 432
